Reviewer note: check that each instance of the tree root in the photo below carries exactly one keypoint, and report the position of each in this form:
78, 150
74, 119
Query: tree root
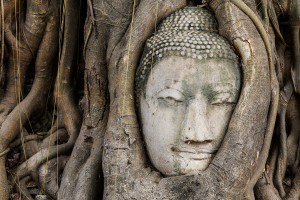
271, 165
34, 162
64, 93
37, 97
274, 95
86, 157
49, 175
295, 26
294, 193
4, 152
22, 53
23, 189
285, 95
25, 139
293, 118
265, 190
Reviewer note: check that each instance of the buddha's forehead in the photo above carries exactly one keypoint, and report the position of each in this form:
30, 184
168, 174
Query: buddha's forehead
180, 72
178, 68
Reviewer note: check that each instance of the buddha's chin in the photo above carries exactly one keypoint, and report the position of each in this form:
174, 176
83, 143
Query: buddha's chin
185, 166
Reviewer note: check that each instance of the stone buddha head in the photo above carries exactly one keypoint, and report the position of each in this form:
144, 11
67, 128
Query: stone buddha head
187, 85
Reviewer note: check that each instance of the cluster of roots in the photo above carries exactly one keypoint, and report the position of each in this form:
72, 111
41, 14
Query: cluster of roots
39, 115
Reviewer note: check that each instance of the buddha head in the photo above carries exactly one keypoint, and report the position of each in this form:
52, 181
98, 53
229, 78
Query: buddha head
187, 85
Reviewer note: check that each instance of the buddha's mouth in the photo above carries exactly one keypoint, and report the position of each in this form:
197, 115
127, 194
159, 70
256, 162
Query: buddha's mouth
198, 151
198, 157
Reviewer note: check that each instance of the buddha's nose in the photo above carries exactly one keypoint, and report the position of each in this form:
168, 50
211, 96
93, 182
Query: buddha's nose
195, 126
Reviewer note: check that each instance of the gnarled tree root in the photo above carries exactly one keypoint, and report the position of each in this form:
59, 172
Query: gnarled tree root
49, 174
86, 158
37, 97
23, 48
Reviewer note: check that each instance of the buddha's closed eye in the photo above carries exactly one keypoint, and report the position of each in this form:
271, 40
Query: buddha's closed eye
171, 97
223, 98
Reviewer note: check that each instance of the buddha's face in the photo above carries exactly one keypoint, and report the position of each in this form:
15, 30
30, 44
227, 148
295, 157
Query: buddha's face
186, 110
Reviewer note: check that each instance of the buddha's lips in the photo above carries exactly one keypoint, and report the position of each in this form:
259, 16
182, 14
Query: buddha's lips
193, 156
194, 150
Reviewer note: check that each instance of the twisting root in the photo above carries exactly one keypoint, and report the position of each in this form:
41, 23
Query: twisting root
22, 188
285, 96
296, 61
2, 40
64, 93
294, 193
264, 189
293, 118
273, 160
265, 12
34, 162
31, 166
55, 138
49, 174
86, 158
22, 52
7, 10
37, 97
297, 160
274, 95
4, 152
295, 26
25, 139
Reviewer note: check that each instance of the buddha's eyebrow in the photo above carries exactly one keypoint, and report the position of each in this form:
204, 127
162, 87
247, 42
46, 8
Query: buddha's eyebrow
225, 86
166, 84
231, 89
170, 81
170, 84
168, 87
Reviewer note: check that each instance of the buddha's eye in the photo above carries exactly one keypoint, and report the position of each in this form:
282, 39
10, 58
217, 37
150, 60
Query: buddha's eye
171, 97
222, 99
170, 101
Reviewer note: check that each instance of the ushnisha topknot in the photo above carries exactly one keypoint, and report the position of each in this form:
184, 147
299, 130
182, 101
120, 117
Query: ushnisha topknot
188, 19
191, 32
